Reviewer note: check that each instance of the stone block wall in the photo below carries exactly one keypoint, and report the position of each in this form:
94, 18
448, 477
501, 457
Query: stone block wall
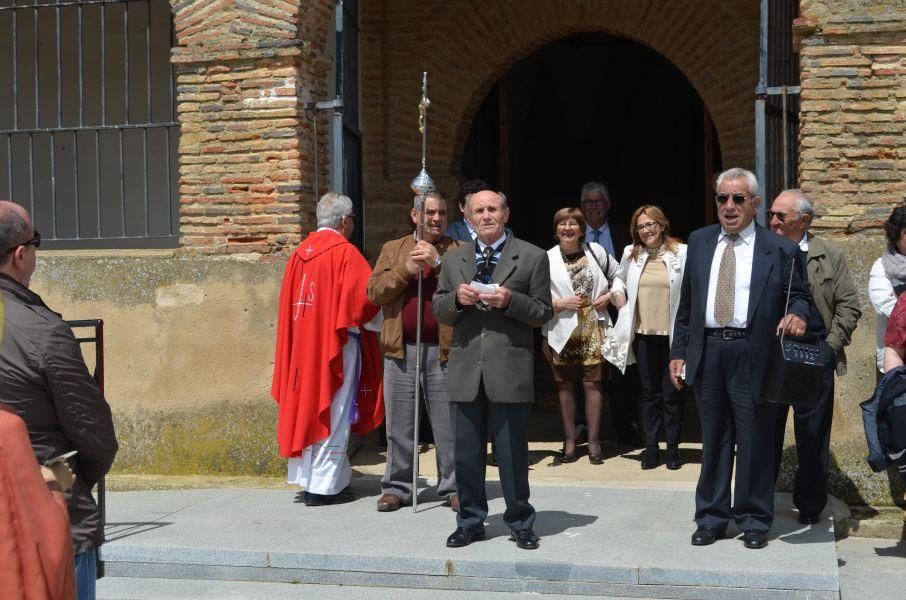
853, 114
246, 71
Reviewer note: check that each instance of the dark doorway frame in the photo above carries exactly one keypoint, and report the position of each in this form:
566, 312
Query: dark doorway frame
497, 143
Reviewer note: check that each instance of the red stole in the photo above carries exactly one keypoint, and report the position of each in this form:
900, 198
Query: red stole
323, 294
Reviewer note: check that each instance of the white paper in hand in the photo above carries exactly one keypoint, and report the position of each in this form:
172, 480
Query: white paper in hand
484, 288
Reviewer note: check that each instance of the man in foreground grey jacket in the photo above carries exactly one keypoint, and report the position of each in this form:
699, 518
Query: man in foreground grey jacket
44, 379
493, 303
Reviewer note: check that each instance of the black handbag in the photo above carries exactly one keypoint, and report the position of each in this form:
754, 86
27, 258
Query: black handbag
794, 370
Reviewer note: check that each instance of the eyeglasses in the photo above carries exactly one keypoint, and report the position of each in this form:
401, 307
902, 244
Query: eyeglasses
351, 217
737, 198
646, 226
35, 241
782, 217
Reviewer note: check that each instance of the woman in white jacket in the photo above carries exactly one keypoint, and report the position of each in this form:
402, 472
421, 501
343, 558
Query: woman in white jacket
647, 291
580, 293
888, 276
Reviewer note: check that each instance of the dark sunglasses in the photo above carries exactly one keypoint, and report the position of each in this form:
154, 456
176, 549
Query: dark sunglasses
35, 241
780, 216
737, 198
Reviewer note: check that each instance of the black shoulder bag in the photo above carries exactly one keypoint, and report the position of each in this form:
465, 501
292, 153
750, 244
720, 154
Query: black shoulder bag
794, 370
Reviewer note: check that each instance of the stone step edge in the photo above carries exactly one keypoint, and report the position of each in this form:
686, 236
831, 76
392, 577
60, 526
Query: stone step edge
524, 569
458, 582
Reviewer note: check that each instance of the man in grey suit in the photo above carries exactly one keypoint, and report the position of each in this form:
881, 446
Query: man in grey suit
493, 292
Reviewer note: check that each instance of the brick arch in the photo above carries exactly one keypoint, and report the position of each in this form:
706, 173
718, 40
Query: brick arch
466, 46
502, 68
727, 95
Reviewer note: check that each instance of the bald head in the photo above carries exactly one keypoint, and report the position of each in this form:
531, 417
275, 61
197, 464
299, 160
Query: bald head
16, 260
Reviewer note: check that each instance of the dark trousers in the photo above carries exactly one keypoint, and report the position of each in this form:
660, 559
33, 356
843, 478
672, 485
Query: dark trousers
659, 402
812, 428
623, 393
509, 424
728, 412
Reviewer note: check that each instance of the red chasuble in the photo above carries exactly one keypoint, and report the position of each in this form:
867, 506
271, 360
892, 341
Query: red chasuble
323, 293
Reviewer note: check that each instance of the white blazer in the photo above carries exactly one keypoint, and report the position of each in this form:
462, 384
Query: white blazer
563, 323
618, 346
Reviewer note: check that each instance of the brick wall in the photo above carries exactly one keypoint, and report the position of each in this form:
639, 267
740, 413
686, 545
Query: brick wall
245, 71
467, 46
853, 116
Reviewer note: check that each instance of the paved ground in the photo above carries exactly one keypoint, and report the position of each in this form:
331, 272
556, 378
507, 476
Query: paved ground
868, 568
618, 541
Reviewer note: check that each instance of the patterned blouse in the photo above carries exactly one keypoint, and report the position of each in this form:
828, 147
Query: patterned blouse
584, 345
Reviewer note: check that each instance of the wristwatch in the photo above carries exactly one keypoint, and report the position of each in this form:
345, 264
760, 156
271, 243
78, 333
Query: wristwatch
437, 261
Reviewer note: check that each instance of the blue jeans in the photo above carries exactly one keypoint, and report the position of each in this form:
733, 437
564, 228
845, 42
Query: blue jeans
86, 572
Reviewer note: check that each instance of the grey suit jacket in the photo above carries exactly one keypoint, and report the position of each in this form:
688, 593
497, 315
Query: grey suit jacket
496, 346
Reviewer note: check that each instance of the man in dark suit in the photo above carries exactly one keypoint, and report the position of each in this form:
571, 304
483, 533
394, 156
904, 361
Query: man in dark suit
595, 202
732, 305
462, 230
837, 304
493, 292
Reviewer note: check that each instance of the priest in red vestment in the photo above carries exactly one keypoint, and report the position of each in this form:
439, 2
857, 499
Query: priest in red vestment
327, 366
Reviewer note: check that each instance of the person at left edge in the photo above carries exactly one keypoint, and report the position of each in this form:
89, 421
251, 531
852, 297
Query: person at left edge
44, 379
394, 286
327, 366
491, 363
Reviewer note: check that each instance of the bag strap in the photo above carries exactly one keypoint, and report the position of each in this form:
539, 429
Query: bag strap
604, 269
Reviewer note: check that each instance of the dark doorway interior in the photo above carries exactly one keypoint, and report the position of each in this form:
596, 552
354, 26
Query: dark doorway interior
595, 107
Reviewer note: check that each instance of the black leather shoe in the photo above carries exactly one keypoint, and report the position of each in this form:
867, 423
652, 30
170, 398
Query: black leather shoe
808, 518
674, 461
525, 539
565, 458
650, 458
754, 540
463, 536
705, 536
341, 497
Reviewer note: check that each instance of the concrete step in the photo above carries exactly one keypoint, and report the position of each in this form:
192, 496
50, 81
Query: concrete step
596, 541
144, 588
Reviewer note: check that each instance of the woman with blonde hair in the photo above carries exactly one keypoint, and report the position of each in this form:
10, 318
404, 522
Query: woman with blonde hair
580, 275
647, 292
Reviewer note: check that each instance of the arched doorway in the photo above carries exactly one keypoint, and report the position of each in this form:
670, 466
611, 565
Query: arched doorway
595, 107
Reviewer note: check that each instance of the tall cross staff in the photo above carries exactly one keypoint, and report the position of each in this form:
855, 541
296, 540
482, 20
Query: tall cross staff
421, 186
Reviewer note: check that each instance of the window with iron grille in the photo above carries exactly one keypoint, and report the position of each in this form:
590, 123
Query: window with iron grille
88, 138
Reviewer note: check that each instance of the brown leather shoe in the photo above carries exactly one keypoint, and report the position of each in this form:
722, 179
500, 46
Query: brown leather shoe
388, 503
454, 503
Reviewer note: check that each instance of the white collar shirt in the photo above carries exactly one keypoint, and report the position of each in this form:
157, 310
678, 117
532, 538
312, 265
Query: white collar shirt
497, 245
744, 250
803, 244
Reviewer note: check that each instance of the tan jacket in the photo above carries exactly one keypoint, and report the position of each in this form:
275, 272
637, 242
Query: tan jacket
387, 286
